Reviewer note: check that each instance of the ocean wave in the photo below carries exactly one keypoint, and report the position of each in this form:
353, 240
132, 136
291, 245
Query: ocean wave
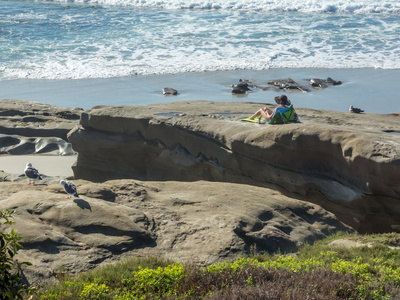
46, 41
85, 69
305, 6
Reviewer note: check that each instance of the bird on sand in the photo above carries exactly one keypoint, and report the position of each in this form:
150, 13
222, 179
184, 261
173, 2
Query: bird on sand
355, 109
32, 173
69, 188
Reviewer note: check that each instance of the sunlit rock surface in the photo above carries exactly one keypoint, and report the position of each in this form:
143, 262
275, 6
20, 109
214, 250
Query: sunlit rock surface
347, 163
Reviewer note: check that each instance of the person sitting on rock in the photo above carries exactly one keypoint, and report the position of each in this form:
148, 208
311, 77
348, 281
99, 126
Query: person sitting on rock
266, 113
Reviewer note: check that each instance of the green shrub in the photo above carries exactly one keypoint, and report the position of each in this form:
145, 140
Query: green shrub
316, 271
11, 286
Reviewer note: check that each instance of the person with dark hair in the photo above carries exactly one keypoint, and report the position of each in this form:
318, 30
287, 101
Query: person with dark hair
266, 113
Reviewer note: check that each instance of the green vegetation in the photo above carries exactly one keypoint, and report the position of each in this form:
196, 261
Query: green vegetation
11, 286
317, 271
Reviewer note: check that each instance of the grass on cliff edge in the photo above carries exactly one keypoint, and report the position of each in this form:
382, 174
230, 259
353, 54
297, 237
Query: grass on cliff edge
317, 271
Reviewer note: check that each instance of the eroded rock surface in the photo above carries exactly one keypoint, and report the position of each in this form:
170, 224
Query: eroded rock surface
17, 145
215, 186
34, 119
348, 164
28, 127
194, 222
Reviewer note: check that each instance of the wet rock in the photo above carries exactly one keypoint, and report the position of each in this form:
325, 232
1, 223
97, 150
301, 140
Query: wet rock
322, 83
240, 88
318, 83
169, 91
246, 85
287, 84
333, 82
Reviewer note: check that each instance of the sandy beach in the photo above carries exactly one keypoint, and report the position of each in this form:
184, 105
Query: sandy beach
374, 90
48, 165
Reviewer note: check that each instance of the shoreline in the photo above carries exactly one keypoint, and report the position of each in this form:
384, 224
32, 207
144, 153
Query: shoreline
369, 89
47, 165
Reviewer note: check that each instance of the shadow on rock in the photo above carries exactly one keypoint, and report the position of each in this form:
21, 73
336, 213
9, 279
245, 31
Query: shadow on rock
39, 183
83, 204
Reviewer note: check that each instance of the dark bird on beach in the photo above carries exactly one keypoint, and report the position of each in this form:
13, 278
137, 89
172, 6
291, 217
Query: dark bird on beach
69, 188
355, 110
32, 173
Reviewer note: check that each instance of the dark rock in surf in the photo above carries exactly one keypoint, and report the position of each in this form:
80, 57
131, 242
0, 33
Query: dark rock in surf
333, 82
240, 88
322, 83
287, 84
318, 83
169, 91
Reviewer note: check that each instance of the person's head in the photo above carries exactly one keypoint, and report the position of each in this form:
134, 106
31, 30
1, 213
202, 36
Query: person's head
282, 100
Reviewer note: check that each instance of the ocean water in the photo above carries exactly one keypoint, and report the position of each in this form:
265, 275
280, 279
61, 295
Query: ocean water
53, 49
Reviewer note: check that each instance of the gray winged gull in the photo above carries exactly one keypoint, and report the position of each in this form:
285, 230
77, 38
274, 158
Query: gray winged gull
69, 188
32, 173
355, 110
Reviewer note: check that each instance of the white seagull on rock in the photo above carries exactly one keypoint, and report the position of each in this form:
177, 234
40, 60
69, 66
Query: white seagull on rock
32, 173
69, 188
355, 110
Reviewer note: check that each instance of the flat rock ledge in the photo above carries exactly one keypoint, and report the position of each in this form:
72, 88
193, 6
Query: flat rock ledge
21, 120
197, 222
346, 163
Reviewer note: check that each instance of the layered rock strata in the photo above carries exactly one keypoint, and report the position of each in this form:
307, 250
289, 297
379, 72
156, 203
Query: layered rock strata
29, 119
348, 164
28, 127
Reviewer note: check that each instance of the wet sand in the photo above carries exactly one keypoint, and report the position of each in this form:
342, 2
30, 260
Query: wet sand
374, 90
47, 165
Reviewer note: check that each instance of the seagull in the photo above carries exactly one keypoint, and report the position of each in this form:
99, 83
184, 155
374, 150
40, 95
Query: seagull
355, 109
32, 173
69, 188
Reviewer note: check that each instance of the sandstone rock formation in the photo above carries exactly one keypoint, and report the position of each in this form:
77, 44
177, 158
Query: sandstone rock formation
28, 127
191, 182
348, 164
17, 145
34, 119
193, 222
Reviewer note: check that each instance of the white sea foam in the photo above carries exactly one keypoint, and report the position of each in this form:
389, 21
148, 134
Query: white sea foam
74, 41
326, 6
161, 62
